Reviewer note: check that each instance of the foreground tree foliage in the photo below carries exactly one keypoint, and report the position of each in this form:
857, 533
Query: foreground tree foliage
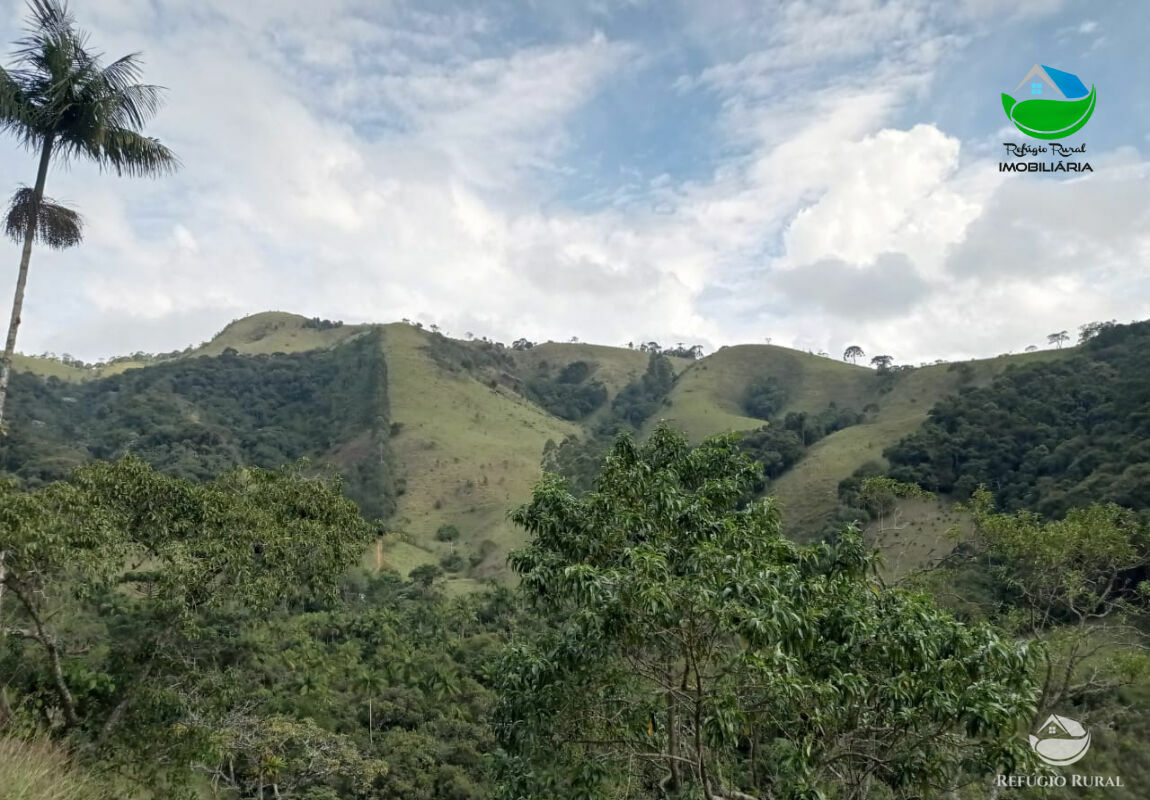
1076, 585
685, 648
121, 586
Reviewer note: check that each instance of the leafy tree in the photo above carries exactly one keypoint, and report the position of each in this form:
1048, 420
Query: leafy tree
153, 564
426, 574
1030, 348
1058, 338
1074, 584
880, 496
764, 397
639, 399
569, 395
1091, 329
59, 100
522, 344
447, 533
775, 447
687, 647
682, 351
882, 363
853, 353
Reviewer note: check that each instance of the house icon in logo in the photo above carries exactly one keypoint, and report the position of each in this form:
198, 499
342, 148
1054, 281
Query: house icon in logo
1060, 741
1050, 103
1051, 84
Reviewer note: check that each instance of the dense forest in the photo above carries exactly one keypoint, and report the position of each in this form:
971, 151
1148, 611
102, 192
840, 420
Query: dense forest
197, 417
1046, 437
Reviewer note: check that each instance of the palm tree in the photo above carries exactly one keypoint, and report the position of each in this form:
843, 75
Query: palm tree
58, 99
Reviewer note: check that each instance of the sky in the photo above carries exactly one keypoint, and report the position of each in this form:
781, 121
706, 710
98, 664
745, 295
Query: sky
815, 174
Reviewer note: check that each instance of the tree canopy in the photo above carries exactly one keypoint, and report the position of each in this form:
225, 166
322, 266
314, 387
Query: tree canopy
685, 642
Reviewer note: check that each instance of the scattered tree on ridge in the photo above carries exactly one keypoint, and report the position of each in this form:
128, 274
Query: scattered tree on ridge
1058, 338
882, 363
853, 354
1091, 329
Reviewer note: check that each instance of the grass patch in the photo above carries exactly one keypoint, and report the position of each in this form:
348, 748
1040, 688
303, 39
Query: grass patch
708, 396
36, 770
468, 452
275, 332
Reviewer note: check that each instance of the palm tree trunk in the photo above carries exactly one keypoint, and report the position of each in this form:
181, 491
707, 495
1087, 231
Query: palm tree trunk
22, 275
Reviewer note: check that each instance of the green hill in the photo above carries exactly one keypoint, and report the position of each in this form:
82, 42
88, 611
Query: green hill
278, 332
1048, 436
708, 397
432, 432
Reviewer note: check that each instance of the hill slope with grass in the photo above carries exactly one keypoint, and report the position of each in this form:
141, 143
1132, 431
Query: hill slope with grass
443, 437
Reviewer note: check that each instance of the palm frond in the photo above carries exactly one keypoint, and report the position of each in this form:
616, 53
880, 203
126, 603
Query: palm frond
17, 115
61, 90
133, 106
50, 15
56, 225
127, 152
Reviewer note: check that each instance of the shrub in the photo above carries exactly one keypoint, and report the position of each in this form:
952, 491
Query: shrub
452, 562
764, 398
447, 533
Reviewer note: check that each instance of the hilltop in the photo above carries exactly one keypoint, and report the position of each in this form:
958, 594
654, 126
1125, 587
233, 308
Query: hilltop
449, 435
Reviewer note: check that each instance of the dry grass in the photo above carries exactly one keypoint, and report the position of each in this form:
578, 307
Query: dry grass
37, 770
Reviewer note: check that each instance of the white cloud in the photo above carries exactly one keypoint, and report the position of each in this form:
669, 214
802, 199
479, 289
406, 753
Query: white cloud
374, 161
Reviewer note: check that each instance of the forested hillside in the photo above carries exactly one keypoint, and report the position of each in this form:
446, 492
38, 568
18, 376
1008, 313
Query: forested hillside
198, 416
1047, 436
436, 433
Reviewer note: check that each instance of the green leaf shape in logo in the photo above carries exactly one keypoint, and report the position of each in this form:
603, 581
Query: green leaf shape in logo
1049, 119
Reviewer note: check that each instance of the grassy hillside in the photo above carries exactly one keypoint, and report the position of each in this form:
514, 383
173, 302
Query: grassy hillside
50, 368
42, 771
276, 332
809, 491
707, 398
467, 442
469, 450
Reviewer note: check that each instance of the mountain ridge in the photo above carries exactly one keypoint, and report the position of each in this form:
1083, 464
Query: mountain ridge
456, 436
